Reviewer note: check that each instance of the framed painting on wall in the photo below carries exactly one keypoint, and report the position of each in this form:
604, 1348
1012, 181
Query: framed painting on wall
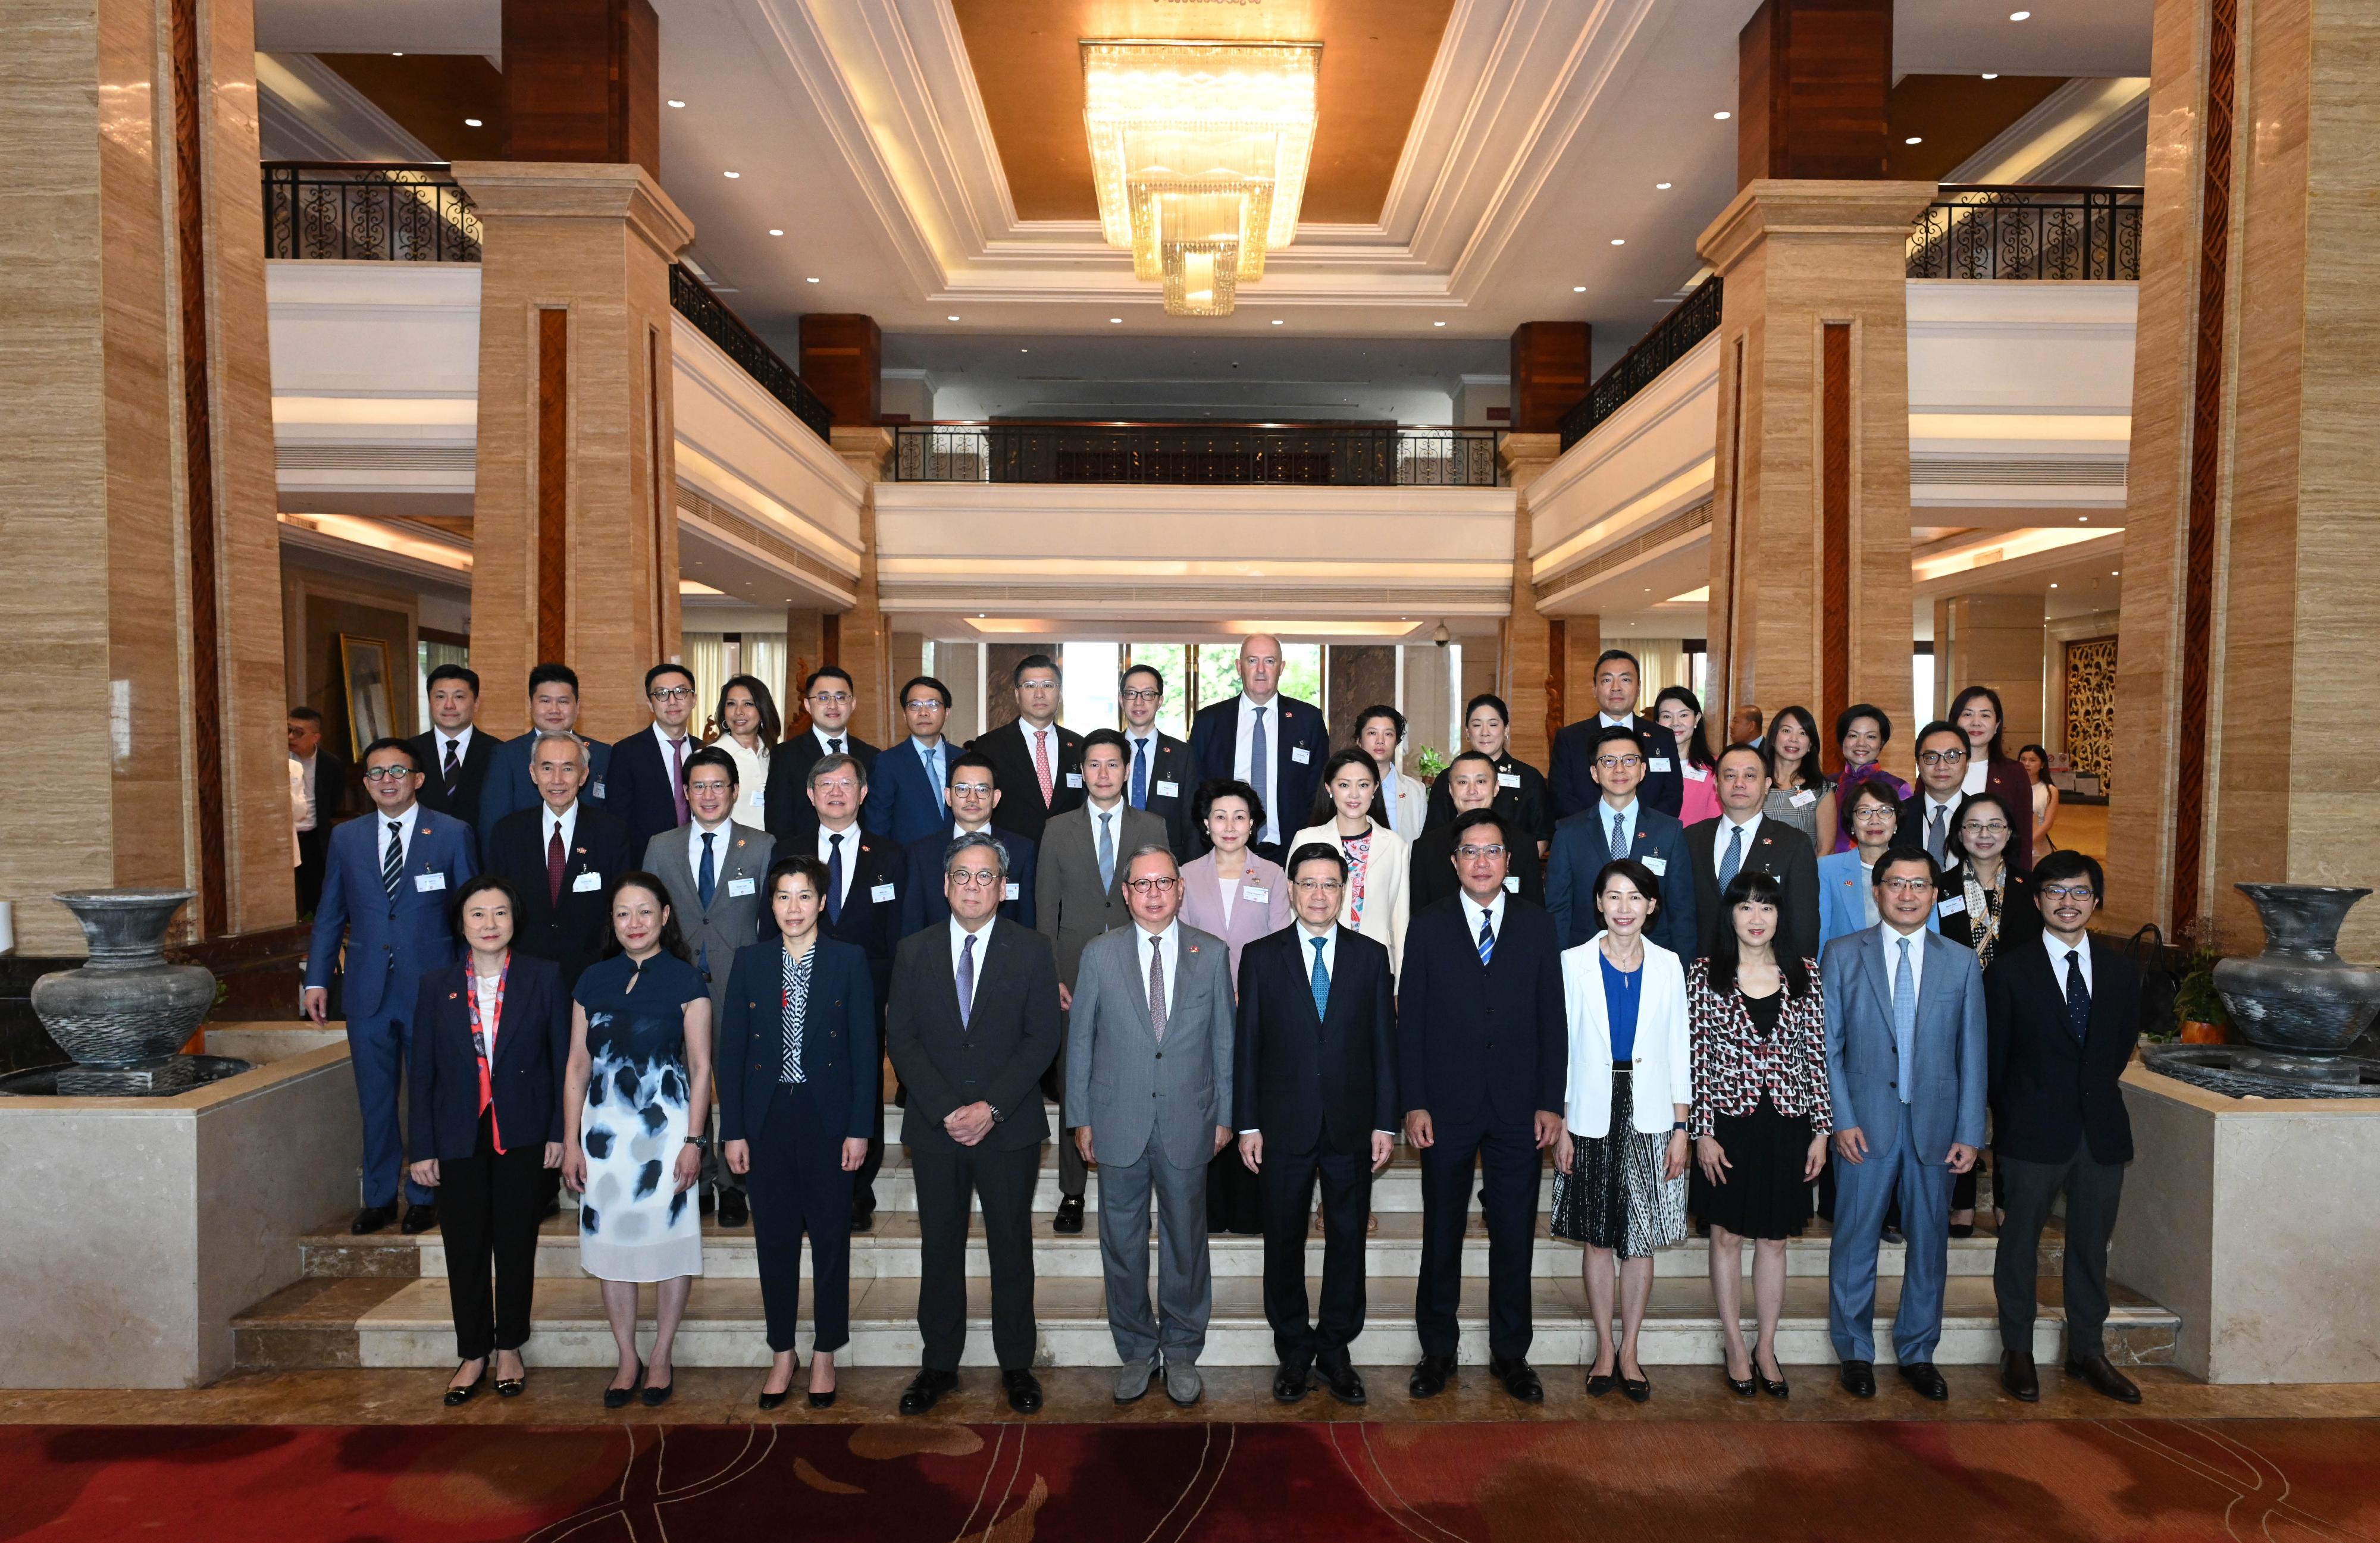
363, 667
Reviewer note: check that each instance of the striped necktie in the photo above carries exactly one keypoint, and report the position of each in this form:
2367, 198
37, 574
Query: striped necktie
1487, 938
393, 864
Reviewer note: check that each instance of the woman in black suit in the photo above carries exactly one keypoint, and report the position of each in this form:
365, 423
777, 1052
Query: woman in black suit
1988, 906
799, 1096
491, 1042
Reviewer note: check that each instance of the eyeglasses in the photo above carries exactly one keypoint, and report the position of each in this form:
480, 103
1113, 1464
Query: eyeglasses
832, 698
390, 774
1906, 885
1317, 886
975, 878
670, 694
1150, 886
710, 785
1985, 827
918, 703
1618, 763
1471, 854
971, 789
1142, 695
2068, 892
1878, 812
1941, 757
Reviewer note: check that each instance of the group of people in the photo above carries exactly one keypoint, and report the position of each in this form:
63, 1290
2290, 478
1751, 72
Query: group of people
1638, 958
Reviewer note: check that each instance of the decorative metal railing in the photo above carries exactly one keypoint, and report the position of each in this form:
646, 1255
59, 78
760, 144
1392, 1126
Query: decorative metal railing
384, 211
692, 299
1202, 454
2043, 232
1694, 318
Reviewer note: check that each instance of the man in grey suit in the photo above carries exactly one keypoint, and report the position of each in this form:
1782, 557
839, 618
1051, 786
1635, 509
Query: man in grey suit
1908, 1064
1152, 1121
1078, 895
712, 868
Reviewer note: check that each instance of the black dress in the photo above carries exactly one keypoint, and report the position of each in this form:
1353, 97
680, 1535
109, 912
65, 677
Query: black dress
1765, 1195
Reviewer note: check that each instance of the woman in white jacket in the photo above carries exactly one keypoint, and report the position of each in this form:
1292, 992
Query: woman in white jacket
1377, 858
1621, 1181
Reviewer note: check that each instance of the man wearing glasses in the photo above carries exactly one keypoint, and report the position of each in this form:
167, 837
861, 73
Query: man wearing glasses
1149, 1098
830, 699
973, 793
1157, 775
647, 779
1907, 1065
1929, 816
1620, 825
904, 786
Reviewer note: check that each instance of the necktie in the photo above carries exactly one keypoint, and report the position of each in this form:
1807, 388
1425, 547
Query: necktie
1487, 938
1257, 764
1041, 763
835, 745
677, 778
1107, 852
1905, 1016
1619, 845
1321, 978
706, 882
554, 860
1141, 774
934, 777
834, 877
453, 769
1934, 838
1157, 988
1733, 858
2078, 996
393, 863
967, 978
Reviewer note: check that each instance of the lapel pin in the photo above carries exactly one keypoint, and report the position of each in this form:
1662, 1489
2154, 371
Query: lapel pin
452, 994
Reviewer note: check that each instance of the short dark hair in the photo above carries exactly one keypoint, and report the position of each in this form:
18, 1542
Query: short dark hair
1612, 731
1610, 654
709, 755
1479, 756
976, 838
1317, 851
771, 725
478, 883
1634, 873
1999, 717
673, 938
974, 760
1487, 699
550, 673
1226, 788
1762, 888
667, 668
1940, 726
1858, 710
468, 676
810, 681
1138, 668
1098, 737
1380, 709
1033, 661
1898, 853
1874, 789
2068, 864
389, 742
1738, 746
1472, 819
799, 866
305, 715
914, 682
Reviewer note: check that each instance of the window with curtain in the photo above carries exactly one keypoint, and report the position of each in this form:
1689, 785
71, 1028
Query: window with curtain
764, 657
705, 655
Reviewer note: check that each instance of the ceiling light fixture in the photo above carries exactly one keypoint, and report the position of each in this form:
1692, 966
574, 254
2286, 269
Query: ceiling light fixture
676, 103
1620, 241
1276, 321
2020, 16
1578, 289
1660, 186
1437, 323
775, 232
1115, 321
811, 279
1914, 140
1722, 116
730, 176
1994, 76
949, 318
472, 123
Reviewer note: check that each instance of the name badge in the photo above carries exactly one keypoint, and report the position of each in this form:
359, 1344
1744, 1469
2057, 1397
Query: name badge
1513, 882
1010, 891
586, 884
1508, 779
424, 882
595, 789
1692, 774
760, 798
1169, 790
1073, 779
1660, 762
1255, 892
1955, 906
1657, 866
881, 893
1299, 754
742, 887
1803, 799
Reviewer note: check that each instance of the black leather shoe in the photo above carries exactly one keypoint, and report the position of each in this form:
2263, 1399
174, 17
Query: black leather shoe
619, 1398
733, 1209
926, 1390
863, 1221
655, 1397
823, 1401
1859, 1379
1339, 1375
2018, 1377
776, 1400
1927, 1380
1024, 1389
418, 1219
552, 1209
1598, 1383
460, 1395
1894, 1237
1430, 1375
1744, 1389
2101, 1373
1639, 1390
1069, 1219
372, 1218
1520, 1380
1290, 1383
1779, 1389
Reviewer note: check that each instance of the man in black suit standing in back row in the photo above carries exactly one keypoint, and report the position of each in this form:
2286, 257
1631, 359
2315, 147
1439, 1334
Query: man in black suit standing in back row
1742, 837
830, 698
648, 776
1158, 776
325, 773
453, 754
1274, 744
1571, 776
1038, 764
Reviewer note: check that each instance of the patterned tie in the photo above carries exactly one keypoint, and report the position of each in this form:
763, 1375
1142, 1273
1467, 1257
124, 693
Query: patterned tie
1141, 774
677, 778
967, 978
1933, 848
705, 884
1904, 1017
1487, 938
834, 878
554, 860
1321, 978
1107, 852
1733, 858
1256, 764
453, 771
2078, 996
393, 863
1041, 765
1618, 844
797, 1008
1157, 987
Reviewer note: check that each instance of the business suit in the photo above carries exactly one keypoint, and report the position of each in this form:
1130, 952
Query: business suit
791, 818
924, 904
870, 919
489, 1202
1296, 741
1908, 1143
2020, 913
1775, 848
1387, 912
471, 768
569, 930
331, 774
1169, 786
645, 791
1315, 1084
1259, 908
737, 914
2059, 1128
391, 942
994, 1051
1521, 796
1843, 892
508, 786
1022, 807
794, 1131
1570, 776
1482, 1048
1583, 845
1153, 1106
2014, 786
905, 800
1073, 908
1434, 878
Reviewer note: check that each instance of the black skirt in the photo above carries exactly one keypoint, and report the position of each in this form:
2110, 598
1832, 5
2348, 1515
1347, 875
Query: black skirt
1765, 1195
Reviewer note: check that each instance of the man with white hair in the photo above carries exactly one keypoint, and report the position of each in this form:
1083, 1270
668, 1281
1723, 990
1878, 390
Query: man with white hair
1274, 744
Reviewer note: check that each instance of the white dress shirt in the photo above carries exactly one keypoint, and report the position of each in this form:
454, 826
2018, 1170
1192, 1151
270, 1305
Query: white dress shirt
1979, 770
405, 823
1892, 936
1472, 913
1950, 808
1169, 945
1261, 778
442, 741
695, 831
306, 765
959, 934
1306, 957
1626, 814
2058, 952
822, 737
850, 835
1719, 840
300, 812
661, 736
567, 820
751, 770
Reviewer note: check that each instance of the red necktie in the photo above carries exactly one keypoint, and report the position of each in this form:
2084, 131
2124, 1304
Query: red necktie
553, 864
678, 777
1041, 763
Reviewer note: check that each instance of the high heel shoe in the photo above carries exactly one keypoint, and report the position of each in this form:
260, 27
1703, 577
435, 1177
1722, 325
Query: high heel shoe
1774, 1390
1744, 1388
776, 1400
822, 1400
619, 1398
459, 1396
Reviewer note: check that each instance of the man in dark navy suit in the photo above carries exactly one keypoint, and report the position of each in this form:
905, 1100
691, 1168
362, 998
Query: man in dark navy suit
904, 786
1274, 744
830, 698
1618, 679
865, 876
1040, 764
648, 778
454, 756
1744, 837
553, 705
1158, 775
974, 793
1582, 844
385, 893
564, 857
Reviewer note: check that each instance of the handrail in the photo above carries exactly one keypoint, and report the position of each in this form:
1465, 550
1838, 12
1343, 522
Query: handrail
368, 210
1200, 452
691, 298
2029, 231
1693, 320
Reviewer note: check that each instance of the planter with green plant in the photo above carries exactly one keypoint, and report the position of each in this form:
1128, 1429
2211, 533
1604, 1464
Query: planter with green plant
2197, 1005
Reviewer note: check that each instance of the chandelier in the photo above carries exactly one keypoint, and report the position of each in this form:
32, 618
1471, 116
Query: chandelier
1200, 150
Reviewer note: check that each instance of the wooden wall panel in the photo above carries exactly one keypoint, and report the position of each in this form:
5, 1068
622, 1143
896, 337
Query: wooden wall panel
582, 81
552, 482
843, 360
1550, 372
1835, 522
1813, 87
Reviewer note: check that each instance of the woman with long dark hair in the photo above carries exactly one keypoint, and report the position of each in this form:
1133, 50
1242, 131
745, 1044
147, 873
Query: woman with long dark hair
1976, 713
1861, 734
2035, 759
1679, 712
1800, 791
1346, 814
748, 729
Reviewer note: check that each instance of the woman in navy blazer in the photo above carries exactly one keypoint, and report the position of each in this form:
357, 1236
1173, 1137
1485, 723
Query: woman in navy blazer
799, 1096
491, 1042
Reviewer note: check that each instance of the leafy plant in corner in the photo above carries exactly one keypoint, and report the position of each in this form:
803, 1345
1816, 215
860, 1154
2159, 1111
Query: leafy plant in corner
2195, 999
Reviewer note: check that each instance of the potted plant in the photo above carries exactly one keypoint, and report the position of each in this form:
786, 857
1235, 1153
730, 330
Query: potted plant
2204, 1020
1430, 762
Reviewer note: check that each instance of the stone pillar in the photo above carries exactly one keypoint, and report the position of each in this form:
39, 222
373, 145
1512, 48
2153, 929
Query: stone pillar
2249, 599
136, 498
2000, 641
1809, 552
1527, 665
865, 642
575, 520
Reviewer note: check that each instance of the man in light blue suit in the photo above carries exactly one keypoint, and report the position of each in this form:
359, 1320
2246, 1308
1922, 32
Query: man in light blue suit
552, 708
1583, 845
905, 786
1908, 1062
386, 889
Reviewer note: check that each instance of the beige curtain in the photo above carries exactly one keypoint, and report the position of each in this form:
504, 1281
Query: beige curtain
1665, 664
705, 655
764, 656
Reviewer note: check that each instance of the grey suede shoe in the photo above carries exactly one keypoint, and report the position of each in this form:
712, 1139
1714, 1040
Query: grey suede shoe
1132, 1380
1183, 1383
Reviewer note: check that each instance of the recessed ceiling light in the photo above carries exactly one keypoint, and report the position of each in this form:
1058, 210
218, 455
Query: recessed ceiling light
399, 54
676, 103
1620, 241
2020, 16
1025, 351
949, 318
1437, 323
811, 279
1994, 76
780, 233
1578, 289
2053, 587
1276, 321
473, 123
2113, 571
1915, 140
1660, 186
730, 176
2085, 518
1722, 116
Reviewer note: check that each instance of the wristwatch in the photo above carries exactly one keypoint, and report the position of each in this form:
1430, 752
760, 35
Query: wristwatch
1678, 1128
998, 1115
700, 1143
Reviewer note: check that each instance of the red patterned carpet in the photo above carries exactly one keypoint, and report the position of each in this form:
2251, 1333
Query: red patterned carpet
2088, 1481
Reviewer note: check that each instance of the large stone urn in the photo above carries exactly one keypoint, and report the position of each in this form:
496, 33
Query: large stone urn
126, 1013
2298, 994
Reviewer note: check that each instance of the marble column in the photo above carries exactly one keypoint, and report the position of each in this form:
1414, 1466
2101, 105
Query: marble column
575, 520
1527, 657
2248, 593
866, 639
2000, 641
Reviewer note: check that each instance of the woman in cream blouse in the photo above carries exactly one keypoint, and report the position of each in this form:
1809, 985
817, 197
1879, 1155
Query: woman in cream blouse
1377, 858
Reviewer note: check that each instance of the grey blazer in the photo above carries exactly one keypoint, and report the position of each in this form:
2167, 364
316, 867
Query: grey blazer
1070, 906
732, 920
1950, 1064
1126, 1086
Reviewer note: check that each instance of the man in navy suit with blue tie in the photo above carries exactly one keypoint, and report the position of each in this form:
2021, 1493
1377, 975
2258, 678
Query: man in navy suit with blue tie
1620, 825
386, 895
905, 786
552, 708
1157, 767
973, 793
1274, 744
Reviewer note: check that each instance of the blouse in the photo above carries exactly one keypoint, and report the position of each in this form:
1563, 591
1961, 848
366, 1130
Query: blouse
1620, 998
1359, 858
797, 1002
1984, 910
1803, 815
1737, 1062
751, 776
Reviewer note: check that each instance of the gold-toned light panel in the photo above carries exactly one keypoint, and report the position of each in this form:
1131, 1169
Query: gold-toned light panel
1199, 153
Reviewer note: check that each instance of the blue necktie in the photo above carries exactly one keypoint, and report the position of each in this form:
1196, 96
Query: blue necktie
1487, 938
2078, 996
934, 777
834, 879
706, 882
1256, 762
1141, 774
1733, 859
1321, 979
1905, 1016
1619, 848
1107, 852
966, 978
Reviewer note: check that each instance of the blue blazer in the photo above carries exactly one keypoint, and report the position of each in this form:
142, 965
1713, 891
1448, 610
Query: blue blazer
1214, 745
391, 943
924, 905
1572, 785
508, 786
1841, 908
640, 790
1583, 845
903, 802
840, 1055
1477, 1041
526, 1080
1950, 1060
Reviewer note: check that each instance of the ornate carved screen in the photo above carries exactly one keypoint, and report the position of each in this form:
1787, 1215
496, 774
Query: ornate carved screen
2091, 708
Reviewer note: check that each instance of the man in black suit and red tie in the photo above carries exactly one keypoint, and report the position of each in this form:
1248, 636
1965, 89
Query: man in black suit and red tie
865, 876
1040, 766
1158, 776
1570, 777
454, 755
1274, 744
830, 698
563, 856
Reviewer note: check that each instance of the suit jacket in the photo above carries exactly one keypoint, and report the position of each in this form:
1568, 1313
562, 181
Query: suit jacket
1172, 792
1434, 878
785, 801
569, 933
1842, 904
1521, 796
997, 1055
471, 775
1294, 726
1950, 1058
2019, 912
732, 923
1071, 907
1477, 1041
1777, 848
2048, 1094
390, 943
924, 904
334, 774
840, 1057
525, 1075
1583, 845
872, 903
1386, 907
903, 802
1573, 787
1202, 903
2007, 779
508, 786
1309, 1080
1022, 809
643, 791
1130, 1089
